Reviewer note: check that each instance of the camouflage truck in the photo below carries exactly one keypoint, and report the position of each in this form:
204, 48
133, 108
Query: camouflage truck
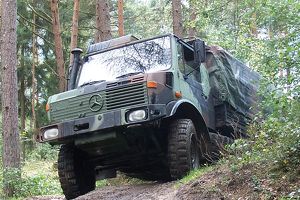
151, 108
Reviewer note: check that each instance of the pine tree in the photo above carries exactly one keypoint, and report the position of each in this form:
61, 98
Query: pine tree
58, 45
74, 33
177, 18
120, 18
34, 64
102, 21
11, 141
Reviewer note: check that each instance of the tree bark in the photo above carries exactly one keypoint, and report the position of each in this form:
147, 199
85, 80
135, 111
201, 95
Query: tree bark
192, 28
103, 32
58, 45
253, 26
11, 140
34, 63
22, 91
177, 18
74, 34
120, 18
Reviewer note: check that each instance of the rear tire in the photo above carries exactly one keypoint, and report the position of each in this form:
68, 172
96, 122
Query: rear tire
218, 143
183, 148
76, 175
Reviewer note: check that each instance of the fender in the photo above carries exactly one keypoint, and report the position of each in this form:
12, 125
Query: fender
187, 109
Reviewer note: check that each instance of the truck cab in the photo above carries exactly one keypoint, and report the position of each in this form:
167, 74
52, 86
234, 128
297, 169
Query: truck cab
147, 108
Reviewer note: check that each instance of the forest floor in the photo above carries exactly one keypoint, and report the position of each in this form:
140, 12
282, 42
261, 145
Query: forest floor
222, 182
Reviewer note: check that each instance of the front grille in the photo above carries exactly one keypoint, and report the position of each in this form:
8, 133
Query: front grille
126, 96
115, 98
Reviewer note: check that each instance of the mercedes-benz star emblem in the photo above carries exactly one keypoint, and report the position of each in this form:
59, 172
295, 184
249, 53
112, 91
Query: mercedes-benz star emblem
96, 102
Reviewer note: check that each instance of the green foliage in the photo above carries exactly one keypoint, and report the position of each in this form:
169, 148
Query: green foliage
9, 178
275, 140
273, 151
36, 178
38, 175
279, 135
37, 185
44, 151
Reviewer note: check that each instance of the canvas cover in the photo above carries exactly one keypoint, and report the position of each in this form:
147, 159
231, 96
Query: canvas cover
232, 81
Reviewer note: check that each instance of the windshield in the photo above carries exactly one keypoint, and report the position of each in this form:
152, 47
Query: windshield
148, 56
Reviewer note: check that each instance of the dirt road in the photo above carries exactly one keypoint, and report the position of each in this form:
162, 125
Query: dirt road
194, 190
218, 184
147, 191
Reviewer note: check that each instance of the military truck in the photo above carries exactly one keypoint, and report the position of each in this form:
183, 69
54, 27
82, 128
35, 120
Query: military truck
151, 108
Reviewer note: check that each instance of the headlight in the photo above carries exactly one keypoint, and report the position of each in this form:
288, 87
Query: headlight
51, 133
137, 115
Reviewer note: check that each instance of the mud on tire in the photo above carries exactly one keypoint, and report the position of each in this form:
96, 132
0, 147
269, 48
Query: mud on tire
183, 150
76, 175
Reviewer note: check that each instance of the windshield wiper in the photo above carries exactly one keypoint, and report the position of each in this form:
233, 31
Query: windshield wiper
91, 83
129, 74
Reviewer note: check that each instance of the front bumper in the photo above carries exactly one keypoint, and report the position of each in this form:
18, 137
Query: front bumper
67, 130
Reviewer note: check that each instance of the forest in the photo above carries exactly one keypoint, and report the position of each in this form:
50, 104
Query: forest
37, 38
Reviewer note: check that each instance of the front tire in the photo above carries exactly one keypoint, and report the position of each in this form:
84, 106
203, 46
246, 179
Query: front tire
76, 175
183, 148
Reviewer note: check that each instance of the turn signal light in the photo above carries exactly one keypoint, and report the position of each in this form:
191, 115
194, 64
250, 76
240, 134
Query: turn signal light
178, 94
47, 107
151, 84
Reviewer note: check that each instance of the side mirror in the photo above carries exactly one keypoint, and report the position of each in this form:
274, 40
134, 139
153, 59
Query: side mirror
199, 51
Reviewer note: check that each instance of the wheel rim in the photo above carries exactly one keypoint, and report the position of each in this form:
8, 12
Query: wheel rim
194, 153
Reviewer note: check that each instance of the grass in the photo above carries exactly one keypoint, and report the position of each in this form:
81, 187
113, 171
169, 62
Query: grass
121, 179
45, 167
193, 175
101, 183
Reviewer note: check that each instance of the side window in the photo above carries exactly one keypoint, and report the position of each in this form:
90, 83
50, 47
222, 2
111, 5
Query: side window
180, 58
186, 62
204, 80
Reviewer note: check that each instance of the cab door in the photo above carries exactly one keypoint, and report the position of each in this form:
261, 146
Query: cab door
194, 83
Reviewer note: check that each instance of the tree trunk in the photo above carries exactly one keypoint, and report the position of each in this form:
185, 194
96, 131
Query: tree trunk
192, 28
253, 25
58, 45
103, 32
22, 91
22, 105
0, 54
120, 18
34, 63
177, 18
11, 140
236, 23
74, 34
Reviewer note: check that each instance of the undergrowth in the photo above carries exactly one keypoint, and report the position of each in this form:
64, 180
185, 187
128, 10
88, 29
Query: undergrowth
38, 174
271, 156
